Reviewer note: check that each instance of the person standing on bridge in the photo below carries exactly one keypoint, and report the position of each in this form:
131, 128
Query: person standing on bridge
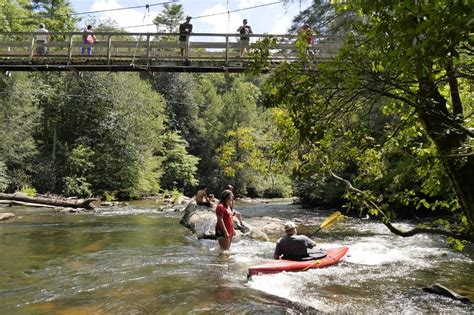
42, 39
89, 39
307, 35
185, 29
244, 40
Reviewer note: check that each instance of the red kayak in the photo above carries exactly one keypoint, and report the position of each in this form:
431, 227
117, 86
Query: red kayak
333, 256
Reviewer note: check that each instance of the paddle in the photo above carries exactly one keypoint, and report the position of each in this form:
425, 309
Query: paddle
328, 222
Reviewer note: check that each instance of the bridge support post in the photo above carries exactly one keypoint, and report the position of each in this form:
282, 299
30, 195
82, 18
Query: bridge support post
148, 50
109, 48
32, 46
69, 50
186, 49
226, 50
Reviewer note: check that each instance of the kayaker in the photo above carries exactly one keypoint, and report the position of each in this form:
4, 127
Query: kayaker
225, 223
292, 246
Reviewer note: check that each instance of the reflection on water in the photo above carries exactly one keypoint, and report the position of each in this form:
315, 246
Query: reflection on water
136, 260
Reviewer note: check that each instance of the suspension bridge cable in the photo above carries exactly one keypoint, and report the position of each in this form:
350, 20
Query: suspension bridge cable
219, 13
97, 11
124, 8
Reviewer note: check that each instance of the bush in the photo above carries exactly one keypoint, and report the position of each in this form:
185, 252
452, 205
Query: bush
29, 191
76, 186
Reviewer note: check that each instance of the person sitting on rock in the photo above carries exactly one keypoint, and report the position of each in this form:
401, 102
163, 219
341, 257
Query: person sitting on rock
201, 197
292, 246
212, 199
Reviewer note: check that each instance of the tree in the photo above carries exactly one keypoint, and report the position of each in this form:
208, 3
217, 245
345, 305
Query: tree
322, 17
56, 14
14, 15
168, 20
99, 112
241, 158
19, 115
399, 56
179, 167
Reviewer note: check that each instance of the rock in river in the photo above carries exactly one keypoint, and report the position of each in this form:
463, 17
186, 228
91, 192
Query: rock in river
201, 220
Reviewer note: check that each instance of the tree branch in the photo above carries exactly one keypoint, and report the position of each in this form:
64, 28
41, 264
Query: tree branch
385, 220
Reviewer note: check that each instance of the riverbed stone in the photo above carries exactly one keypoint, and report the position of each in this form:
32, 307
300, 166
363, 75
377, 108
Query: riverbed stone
444, 291
201, 220
6, 216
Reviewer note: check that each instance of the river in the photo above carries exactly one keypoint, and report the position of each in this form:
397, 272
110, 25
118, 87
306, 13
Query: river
136, 260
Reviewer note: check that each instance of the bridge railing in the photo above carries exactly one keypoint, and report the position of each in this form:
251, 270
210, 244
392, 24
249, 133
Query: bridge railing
149, 47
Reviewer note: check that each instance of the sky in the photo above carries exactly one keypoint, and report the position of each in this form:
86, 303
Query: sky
271, 19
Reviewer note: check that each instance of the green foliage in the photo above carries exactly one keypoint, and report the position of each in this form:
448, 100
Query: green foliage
240, 152
18, 120
109, 196
80, 160
28, 190
79, 163
77, 187
4, 181
150, 175
175, 195
169, 19
368, 115
112, 129
258, 56
178, 167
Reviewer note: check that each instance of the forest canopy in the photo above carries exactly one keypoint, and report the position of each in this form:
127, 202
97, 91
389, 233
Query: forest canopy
383, 129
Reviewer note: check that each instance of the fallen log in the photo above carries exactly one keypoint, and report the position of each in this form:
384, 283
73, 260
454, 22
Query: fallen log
11, 203
56, 202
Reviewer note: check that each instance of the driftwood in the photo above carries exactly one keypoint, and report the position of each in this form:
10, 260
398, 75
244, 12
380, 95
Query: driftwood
55, 202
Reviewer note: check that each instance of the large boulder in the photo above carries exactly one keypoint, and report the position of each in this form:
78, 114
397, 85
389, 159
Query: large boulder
201, 220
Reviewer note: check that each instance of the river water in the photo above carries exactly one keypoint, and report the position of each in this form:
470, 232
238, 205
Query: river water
136, 260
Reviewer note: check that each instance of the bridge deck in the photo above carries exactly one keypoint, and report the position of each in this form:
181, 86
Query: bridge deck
19, 51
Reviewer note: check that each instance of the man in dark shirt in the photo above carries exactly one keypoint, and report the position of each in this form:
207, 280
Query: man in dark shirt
185, 28
244, 40
292, 246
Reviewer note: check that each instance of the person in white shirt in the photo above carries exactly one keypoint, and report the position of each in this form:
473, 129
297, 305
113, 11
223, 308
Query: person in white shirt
42, 39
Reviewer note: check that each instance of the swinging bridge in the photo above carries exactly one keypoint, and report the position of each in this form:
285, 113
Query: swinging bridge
153, 52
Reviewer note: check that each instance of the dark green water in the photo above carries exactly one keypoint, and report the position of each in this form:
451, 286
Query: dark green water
135, 260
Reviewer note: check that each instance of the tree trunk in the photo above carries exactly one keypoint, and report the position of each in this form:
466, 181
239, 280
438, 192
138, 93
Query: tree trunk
451, 142
78, 203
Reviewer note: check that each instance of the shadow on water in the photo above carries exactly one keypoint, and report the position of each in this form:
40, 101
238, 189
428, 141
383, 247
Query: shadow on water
137, 260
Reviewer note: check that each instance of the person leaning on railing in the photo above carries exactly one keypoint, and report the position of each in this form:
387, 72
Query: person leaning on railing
42, 39
88, 38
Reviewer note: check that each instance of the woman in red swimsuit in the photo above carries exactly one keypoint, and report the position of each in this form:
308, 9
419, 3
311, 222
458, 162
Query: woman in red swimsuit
225, 223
